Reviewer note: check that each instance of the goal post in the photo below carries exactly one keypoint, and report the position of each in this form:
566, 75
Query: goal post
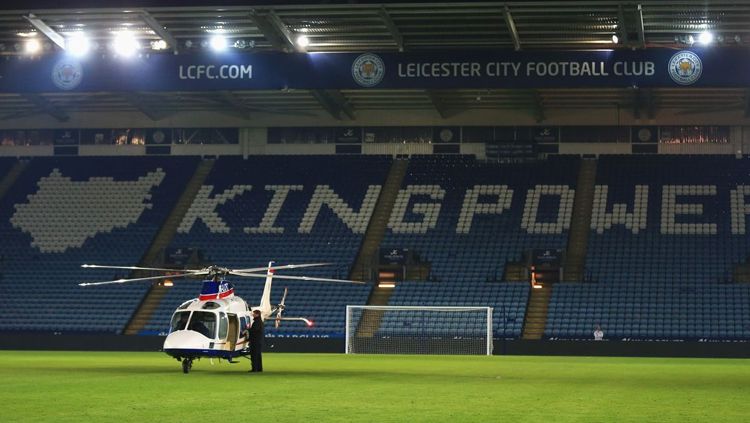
418, 330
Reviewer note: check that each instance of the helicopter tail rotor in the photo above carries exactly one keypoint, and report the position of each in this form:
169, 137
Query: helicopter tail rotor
280, 308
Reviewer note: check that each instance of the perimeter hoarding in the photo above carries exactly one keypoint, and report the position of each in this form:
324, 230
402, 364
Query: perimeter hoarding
483, 69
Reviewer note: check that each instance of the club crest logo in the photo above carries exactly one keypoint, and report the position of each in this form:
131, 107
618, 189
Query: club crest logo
644, 134
368, 70
66, 75
685, 67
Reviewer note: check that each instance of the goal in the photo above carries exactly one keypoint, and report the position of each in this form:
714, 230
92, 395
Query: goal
418, 330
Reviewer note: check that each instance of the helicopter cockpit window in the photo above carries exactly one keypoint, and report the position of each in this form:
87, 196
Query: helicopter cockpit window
203, 322
179, 321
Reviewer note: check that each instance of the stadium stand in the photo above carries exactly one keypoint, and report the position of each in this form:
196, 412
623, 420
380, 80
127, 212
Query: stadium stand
240, 220
507, 299
657, 276
478, 227
63, 212
5, 165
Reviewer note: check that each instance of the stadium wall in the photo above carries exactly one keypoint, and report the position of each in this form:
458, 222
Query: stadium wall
481, 115
109, 342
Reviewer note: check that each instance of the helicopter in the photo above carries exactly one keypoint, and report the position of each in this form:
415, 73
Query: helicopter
215, 324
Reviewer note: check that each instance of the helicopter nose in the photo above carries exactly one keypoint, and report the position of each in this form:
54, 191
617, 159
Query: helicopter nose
186, 339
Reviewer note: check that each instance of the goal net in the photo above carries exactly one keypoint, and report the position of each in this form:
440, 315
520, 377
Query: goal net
418, 330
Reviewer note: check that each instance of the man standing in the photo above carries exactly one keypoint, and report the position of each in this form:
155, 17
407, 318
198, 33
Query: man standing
598, 333
256, 342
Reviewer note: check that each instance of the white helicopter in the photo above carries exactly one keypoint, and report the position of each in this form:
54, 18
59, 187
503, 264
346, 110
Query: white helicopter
214, 324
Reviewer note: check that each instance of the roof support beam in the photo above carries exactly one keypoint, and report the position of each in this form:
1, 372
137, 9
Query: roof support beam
643, 99
46, 30
512, 28
236, 107
46, 106
392, 28
437, 103
335, 103
639, 23
161, 31
538, 107
282, 38
137, 100
276, 31
285, 32
621, 26
650, 104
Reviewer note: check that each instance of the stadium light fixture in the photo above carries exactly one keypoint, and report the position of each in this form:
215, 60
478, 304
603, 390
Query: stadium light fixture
705, 38
615, 39
303, 41
159, 45
77, 44
218, 43
32, 46
125, 44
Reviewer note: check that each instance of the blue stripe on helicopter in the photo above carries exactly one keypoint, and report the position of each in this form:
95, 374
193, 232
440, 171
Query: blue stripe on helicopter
195, 352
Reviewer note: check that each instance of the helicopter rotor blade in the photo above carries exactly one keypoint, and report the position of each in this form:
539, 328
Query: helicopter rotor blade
287, 266
151, 278
298, 278
158, 269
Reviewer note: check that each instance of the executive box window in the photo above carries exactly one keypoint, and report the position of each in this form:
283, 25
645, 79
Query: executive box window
27, 137
694, 134
594, 134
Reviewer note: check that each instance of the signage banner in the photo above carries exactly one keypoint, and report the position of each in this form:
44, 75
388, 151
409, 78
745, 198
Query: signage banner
481, 69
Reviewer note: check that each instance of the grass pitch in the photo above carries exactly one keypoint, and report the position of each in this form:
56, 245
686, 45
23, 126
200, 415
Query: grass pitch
145, 387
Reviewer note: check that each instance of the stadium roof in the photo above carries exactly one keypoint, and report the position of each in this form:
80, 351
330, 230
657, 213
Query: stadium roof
380, 26
409, 25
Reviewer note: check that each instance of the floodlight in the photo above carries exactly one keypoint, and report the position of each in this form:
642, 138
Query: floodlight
32, 46
705, 38
615, 39
77, 44
159, 45
303, 41
125, 44
218, 43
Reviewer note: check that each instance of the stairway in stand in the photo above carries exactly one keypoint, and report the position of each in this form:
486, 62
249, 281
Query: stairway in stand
11, 177
580, 226
154, 296
536, 312
369, 323
363, 265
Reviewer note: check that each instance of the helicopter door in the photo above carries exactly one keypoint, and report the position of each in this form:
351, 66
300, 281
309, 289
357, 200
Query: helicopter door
232, 332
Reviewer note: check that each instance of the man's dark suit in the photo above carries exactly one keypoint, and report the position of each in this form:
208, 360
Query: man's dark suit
256, 345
